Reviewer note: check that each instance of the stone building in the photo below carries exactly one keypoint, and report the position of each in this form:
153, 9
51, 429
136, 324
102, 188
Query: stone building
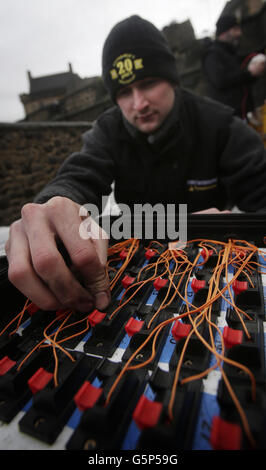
47, 90
187, 49
64, 97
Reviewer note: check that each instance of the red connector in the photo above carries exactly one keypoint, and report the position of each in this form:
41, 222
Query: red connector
133, 326
87, 396
159, 283
225, 435
6, 364
32, 308
232, 337
39, 380
96, 317
123, 254
147, 412
127, 281
180, 330
239, 286
206, 254
150, 254
196, 284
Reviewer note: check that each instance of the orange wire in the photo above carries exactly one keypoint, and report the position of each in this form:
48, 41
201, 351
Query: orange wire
199, 319
196, 376
237, 253
19, 315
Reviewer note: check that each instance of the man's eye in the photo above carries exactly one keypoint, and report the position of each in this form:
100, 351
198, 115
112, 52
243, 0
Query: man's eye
150, 83
123, 92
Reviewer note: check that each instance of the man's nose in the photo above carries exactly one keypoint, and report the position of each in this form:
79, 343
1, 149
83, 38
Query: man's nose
140, 100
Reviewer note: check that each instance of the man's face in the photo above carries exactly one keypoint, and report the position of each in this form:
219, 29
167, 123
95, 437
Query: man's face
233, 35
146, 103
236, 34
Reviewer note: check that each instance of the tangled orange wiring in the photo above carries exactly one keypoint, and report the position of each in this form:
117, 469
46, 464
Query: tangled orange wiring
235, 253
238, 254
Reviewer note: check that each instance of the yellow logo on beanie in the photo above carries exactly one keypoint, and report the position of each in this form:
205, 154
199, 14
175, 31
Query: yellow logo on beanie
124, 68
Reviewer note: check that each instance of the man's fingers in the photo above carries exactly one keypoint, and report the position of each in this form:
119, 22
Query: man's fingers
99, 285
21, 272
212, 210
48, 262
38, 268
88, 255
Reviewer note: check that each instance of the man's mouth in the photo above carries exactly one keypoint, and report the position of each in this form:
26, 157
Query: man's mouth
146, 116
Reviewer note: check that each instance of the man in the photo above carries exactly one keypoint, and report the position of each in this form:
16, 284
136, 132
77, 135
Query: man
229, 78
158, 144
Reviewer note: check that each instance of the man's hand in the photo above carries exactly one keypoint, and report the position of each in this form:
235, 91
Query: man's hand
37, 267
212, 210
257, 65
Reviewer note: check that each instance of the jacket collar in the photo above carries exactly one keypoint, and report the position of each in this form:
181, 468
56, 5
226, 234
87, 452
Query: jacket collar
227, 46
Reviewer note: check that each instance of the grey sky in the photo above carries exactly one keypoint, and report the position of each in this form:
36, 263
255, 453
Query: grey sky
44, 36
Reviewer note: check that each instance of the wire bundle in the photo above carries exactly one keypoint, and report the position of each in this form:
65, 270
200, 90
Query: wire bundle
238, 256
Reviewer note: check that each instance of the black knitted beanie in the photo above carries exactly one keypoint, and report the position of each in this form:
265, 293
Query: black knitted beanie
133, 50
225, 23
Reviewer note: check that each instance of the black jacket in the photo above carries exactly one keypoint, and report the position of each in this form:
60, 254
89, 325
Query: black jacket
201, 156
227, 80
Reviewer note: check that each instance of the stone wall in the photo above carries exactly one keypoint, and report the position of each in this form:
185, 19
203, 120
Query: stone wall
85, 113
30, 154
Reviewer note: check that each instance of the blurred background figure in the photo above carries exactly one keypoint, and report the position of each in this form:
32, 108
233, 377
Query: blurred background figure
228, 76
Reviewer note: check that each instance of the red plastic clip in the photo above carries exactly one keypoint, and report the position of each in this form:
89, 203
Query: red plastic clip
127, 281
6, 364
177, 253
159, 283
232, 337
180, 330
96, 317
39, 380
239, 286
123, 254
147, 412
225, 435
87, 396
32, 308
150, 254
196, 284
206, 254
133, 326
